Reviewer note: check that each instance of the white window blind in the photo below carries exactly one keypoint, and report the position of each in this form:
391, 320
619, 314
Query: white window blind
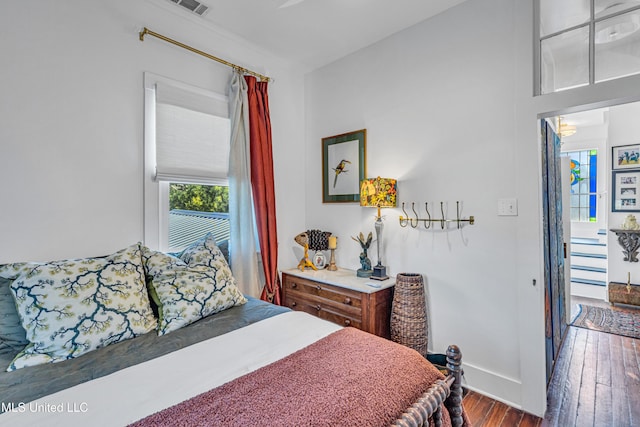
192, 136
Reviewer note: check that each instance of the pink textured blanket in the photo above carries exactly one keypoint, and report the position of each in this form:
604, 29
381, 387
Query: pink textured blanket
348, 378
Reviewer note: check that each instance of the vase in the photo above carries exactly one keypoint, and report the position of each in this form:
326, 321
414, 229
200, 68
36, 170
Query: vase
365, 262
409, 313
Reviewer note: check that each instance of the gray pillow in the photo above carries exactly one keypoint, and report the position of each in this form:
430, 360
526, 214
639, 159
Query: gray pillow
12, 334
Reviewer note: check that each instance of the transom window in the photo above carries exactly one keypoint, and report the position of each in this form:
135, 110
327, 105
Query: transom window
582, 42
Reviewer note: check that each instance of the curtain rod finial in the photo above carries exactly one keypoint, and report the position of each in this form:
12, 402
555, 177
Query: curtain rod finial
142, 33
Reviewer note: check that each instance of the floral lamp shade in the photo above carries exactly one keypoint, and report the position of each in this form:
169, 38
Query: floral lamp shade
378, 192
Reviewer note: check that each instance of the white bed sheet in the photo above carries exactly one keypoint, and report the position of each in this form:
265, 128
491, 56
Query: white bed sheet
135, 392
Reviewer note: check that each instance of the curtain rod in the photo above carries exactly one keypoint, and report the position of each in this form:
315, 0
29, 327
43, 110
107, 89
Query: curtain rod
146, 31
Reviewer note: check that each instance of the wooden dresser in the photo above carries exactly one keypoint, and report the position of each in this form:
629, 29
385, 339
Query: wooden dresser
340, 297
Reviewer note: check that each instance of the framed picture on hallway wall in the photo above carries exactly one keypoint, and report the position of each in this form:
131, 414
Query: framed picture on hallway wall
343, 166
626, 191
626, 157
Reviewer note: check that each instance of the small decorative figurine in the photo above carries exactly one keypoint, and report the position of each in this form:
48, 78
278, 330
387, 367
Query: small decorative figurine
365, 262
317, 241
303, 240
630, 223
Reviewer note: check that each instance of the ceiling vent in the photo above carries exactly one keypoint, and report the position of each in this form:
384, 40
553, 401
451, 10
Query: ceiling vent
193, 6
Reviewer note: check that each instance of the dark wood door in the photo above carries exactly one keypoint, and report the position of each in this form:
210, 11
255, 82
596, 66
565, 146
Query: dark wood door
555, 317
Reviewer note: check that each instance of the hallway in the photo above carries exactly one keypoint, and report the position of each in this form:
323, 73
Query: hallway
596, 381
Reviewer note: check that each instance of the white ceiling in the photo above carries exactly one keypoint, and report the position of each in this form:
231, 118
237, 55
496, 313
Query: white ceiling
314, 33
597, 117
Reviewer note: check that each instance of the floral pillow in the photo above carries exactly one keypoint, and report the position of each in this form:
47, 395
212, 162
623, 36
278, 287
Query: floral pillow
71, 307
191, 287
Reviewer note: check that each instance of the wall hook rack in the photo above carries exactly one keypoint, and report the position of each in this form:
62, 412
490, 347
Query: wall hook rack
428, 222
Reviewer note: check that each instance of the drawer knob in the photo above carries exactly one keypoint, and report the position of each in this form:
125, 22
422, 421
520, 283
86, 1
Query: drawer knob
317, 307
319, 287
294, 285
347, 322
293, 304
347, 300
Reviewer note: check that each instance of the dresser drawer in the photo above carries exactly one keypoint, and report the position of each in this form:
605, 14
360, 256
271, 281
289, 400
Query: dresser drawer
346, 306
324, 311
334, 295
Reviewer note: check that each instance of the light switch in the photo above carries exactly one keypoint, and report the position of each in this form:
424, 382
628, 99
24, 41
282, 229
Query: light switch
507, 207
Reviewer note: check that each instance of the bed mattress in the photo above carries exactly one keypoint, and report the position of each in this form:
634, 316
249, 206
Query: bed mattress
28, 384
132, 393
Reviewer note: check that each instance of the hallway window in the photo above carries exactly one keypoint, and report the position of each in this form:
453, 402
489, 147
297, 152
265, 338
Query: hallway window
585, 42
584, 196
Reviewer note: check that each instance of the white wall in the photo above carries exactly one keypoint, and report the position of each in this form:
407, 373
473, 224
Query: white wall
624, 129
449, 110
71, 120
438, 108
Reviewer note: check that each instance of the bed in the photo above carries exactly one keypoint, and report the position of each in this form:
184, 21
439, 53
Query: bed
250, 364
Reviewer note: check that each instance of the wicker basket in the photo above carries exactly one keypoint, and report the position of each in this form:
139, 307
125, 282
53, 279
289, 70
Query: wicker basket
409, 313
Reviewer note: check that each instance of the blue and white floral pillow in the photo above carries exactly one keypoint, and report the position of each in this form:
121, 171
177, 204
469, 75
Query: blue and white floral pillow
195, 285
71, 307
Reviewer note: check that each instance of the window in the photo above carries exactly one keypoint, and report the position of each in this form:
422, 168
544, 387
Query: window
187, 133
583, 42
584, 187
195, 210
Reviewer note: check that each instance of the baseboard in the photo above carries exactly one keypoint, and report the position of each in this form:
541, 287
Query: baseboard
493, 385
588, 291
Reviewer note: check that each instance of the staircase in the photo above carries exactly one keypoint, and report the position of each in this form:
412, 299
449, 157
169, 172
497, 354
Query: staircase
589, 266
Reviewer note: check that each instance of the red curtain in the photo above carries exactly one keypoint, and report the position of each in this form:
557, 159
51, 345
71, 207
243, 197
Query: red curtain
264, 198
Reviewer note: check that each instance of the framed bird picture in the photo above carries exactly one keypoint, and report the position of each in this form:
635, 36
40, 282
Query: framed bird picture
343, 166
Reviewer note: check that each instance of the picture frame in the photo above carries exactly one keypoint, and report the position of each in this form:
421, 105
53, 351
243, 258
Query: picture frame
319, 260
343, 166
625, 191
625, 157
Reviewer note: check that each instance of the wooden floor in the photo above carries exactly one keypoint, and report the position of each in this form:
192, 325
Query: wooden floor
596, 383
484, 411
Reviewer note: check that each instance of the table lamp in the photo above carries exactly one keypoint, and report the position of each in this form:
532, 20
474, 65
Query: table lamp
378, 193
